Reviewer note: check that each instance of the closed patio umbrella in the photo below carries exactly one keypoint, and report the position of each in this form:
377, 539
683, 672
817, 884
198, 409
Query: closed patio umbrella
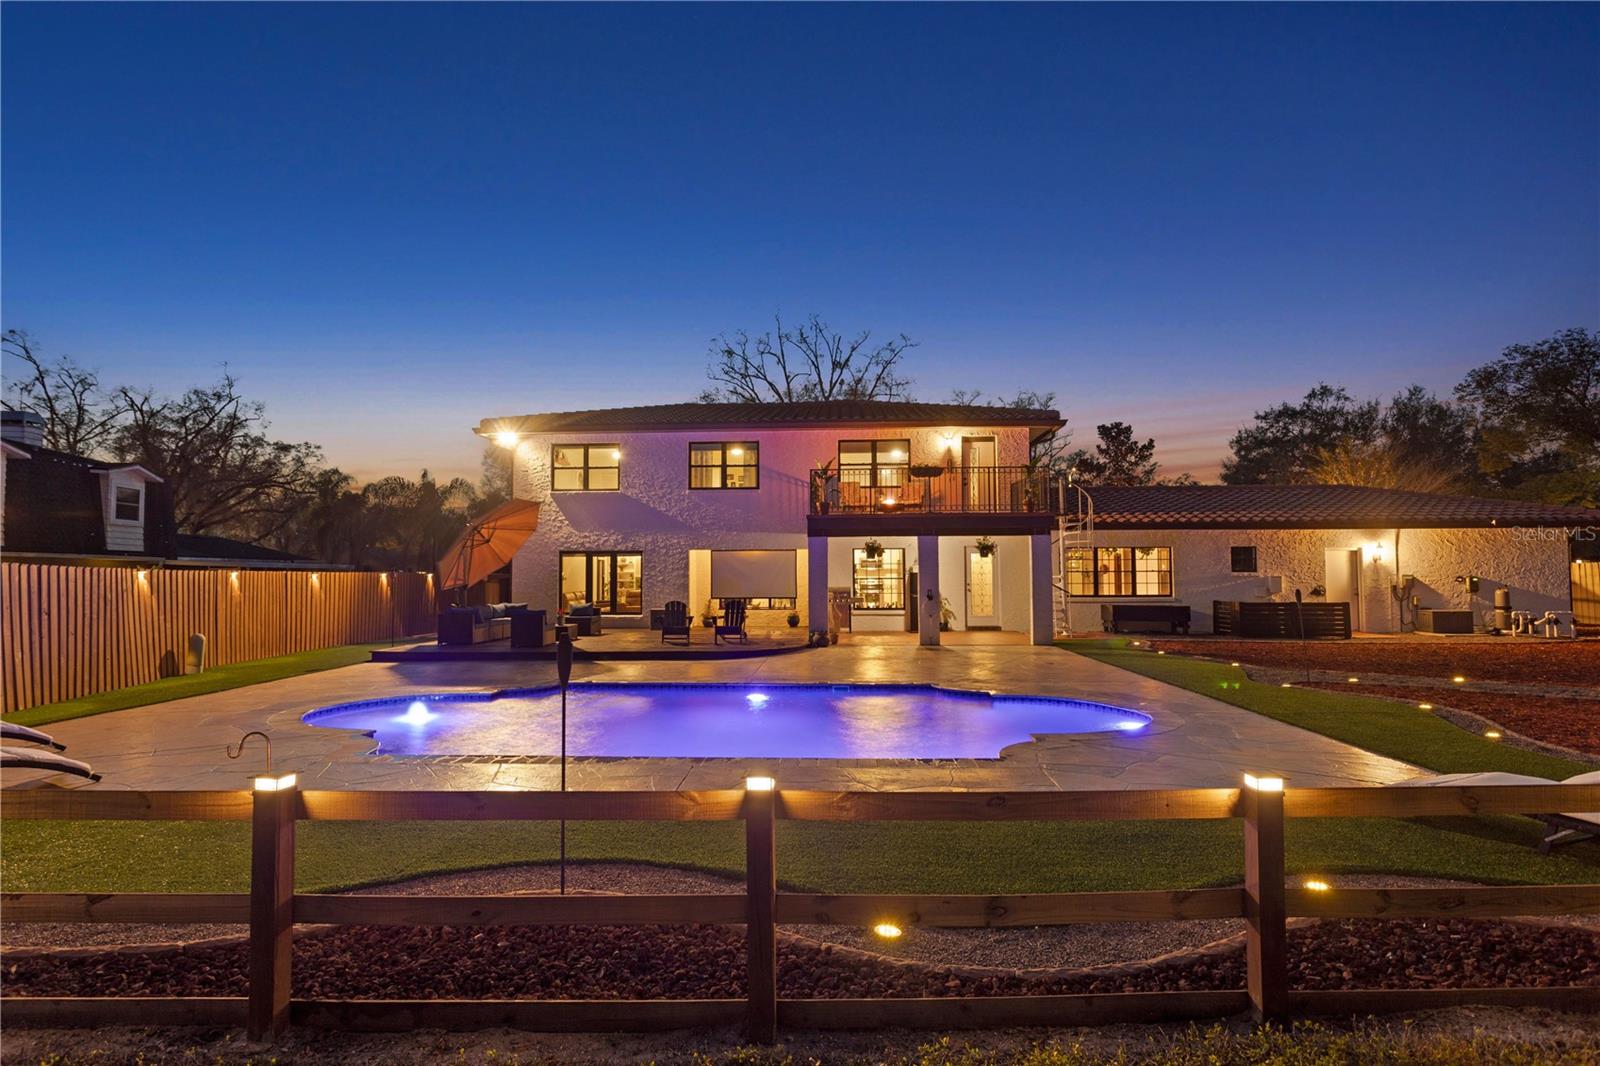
488, 543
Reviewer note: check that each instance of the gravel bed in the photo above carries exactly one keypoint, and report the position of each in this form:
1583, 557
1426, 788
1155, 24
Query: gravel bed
1049, 950
659, 962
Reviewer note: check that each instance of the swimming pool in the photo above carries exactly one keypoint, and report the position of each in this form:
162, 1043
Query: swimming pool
723, 721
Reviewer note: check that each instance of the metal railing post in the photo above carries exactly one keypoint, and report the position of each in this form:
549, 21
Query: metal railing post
271, 904
761, 885
1266, 937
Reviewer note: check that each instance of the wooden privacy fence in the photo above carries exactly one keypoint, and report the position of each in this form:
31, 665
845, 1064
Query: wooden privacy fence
1586, 593
272, 907
72, 631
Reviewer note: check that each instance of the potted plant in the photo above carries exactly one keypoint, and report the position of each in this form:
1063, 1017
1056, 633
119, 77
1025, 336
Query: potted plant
947, 614
824, 487
873, 548
986, 546
794, 619
708, 616
926, 469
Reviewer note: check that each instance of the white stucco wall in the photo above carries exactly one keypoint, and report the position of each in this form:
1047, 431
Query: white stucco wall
656, 513
1534, 568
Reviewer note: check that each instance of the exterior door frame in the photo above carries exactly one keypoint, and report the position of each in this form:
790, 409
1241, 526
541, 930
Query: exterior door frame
992, 620
976, 488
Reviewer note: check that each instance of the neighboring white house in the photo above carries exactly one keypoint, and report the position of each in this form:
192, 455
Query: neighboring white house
873, 516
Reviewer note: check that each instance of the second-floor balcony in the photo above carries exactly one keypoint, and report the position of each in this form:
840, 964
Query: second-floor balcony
898, 489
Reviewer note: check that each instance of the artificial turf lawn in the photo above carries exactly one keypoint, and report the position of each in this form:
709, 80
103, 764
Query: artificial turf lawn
933, 857
216, 679
1381, 726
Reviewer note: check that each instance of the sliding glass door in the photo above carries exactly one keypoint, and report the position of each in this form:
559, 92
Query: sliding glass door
612, 581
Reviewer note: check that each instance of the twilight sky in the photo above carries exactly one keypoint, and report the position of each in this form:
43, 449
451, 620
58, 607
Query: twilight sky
391, 221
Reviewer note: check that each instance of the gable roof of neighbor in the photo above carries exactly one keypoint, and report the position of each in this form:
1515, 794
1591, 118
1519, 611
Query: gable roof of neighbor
54, 505
1316, 507
670, 416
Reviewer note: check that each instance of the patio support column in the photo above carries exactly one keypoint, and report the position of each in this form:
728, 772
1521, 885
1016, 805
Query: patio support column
1044, 597
928, 589
817, 588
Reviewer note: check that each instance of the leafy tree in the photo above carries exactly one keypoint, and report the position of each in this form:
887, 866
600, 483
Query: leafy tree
1283, 444
811, 362
79, 416
1538, 409
1118, 459
210, 445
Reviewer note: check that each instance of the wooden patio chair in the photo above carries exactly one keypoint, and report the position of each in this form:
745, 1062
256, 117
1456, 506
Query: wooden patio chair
732, 624
675, 621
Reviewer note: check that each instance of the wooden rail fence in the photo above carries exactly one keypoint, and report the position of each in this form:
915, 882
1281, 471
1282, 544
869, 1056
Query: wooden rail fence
271, 907
71, 631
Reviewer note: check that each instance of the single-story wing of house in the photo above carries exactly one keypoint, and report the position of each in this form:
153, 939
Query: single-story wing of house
1400, 560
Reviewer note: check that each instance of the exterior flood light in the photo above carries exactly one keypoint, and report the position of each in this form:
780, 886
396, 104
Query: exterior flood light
1318, 886
1263, 784
760, 784
506, 438
887, 930
275, 784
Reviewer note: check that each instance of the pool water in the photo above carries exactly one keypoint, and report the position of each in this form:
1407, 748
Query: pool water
724, 721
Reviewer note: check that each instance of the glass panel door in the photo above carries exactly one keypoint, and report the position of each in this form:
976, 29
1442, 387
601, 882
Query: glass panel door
981, 599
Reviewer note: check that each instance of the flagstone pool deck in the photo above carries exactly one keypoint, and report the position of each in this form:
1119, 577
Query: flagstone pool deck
1192, 742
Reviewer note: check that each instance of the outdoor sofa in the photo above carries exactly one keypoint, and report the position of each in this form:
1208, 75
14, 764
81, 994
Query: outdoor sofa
474, 625
1115, 616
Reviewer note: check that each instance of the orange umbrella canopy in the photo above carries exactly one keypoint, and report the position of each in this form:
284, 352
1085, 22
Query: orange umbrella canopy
488, 543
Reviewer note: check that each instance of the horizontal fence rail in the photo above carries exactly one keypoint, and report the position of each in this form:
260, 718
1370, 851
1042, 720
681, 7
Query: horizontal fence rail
73, 631
272, 907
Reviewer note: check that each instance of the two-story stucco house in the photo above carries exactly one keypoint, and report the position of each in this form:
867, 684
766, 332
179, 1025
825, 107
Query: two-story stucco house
894, 517
777, 504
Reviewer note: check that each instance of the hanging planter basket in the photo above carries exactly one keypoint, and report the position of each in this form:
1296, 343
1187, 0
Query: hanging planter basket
873, 549
986, 547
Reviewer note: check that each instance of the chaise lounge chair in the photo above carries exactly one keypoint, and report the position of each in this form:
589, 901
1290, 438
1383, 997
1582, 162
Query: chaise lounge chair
33, 759
12, 731
1565, 828
732, 624
675, 622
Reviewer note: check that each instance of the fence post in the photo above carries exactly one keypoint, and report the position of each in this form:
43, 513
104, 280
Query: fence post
761, 885
271, 904
1266, 949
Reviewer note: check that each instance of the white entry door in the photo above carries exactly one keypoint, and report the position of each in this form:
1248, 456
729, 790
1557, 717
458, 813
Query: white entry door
983, 591
1343, 584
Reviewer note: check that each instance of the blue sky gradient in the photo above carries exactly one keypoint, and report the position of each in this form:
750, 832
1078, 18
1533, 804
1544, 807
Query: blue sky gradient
391, 221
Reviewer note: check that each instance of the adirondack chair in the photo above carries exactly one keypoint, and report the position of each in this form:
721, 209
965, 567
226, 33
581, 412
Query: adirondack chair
675, 621
732, 624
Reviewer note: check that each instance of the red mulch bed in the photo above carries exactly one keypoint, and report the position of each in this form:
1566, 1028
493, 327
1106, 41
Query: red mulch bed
1528, 662
676, 962
1555, 720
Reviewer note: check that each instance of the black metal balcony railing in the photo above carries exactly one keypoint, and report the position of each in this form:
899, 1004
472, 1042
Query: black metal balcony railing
885, 489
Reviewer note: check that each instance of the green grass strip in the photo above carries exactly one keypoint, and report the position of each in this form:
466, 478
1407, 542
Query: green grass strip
216, 679
1384, 727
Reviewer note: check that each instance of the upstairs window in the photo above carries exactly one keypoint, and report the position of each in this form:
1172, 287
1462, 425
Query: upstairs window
874, 463
129, 503
725, 465
585, 467
1243, 559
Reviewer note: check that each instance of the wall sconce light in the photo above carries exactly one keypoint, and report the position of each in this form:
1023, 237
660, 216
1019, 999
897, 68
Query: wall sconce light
1377, 551
507, 438
616, 454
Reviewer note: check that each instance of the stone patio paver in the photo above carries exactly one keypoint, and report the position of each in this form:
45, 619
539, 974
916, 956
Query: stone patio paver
1193, 741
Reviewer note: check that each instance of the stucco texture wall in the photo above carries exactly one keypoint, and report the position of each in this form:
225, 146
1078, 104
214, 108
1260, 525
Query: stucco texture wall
656, 513
1534, 568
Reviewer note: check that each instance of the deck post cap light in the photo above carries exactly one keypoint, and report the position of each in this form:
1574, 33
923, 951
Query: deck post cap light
1263, 784
275, 784
760, 784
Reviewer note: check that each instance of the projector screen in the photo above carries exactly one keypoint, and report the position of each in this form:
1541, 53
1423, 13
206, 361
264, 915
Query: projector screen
749, 574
